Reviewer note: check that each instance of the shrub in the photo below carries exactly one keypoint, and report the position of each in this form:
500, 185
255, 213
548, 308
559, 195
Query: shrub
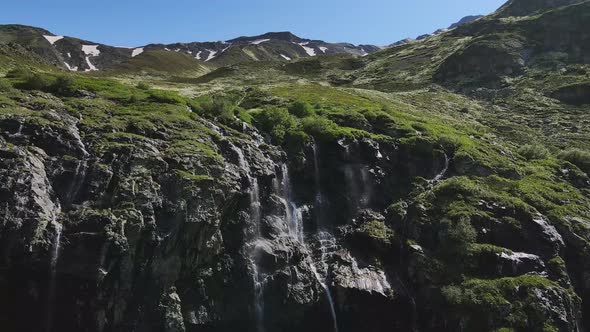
320, 127
143, 86
277, 122
301, 109
377, 230
18, 73
166, 97
533, 151
5, 85
36, 82
296, 140
350, 118
457, 236
577, 157
63, 86
220, 108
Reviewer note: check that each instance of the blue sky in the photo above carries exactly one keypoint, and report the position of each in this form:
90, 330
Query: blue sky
139, 22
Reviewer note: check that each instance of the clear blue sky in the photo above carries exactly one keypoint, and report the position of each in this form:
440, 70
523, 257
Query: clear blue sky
139, 22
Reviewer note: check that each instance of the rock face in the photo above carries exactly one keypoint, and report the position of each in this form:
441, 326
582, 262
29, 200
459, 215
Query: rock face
123, 236
528, 7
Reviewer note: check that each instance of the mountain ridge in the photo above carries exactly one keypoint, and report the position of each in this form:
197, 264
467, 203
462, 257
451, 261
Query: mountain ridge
70, 52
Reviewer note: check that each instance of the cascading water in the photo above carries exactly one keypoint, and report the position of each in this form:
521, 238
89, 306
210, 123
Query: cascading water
318, 183
54, 259
323, 239
442, 173
258, 279
80, 175
294, 219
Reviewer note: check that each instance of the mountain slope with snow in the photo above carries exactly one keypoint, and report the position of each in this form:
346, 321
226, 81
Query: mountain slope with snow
81, 55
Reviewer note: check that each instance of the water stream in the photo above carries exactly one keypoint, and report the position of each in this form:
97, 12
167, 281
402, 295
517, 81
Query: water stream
442, 173
54, 259
258, 279
296, 230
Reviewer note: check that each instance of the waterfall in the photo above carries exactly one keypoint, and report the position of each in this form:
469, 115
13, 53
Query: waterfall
54, 258
19, 132
259, 283
80, 175
258, 279
293, 217
323, 239
442, 173
357, 180
318, 183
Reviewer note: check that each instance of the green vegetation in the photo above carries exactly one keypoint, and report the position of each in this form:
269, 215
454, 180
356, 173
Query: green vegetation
377, 230
577, 157
531, 152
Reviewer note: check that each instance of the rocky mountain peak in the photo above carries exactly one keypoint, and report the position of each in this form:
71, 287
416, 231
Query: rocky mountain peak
284, 36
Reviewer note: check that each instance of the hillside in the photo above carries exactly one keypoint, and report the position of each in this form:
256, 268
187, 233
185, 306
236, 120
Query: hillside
436, 185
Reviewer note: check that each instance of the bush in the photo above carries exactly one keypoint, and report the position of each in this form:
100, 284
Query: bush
531, 152
456, 237
377, 230
63, 86
143, 86
220, 108
166, 97
301, 109
36, 82
18, 73
350, 118
320, 128
277, 122
296, 140
577, 157
5, 85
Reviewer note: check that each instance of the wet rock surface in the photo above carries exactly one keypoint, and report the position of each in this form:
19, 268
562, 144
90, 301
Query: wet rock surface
128, 238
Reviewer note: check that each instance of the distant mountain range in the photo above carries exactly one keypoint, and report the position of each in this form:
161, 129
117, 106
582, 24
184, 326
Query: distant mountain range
82, 55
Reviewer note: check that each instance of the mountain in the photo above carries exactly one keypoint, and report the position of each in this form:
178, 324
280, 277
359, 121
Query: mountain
81, 55
273, 46
464, 20
529, 7
438, 185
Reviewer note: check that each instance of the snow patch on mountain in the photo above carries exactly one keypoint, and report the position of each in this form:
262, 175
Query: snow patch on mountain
323, 49
70, 68
198, 56
259, 41
69, 55
136, 52
211, 55
91, 50
225, 49
286, 57
53, 39
310, 51
90, 65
